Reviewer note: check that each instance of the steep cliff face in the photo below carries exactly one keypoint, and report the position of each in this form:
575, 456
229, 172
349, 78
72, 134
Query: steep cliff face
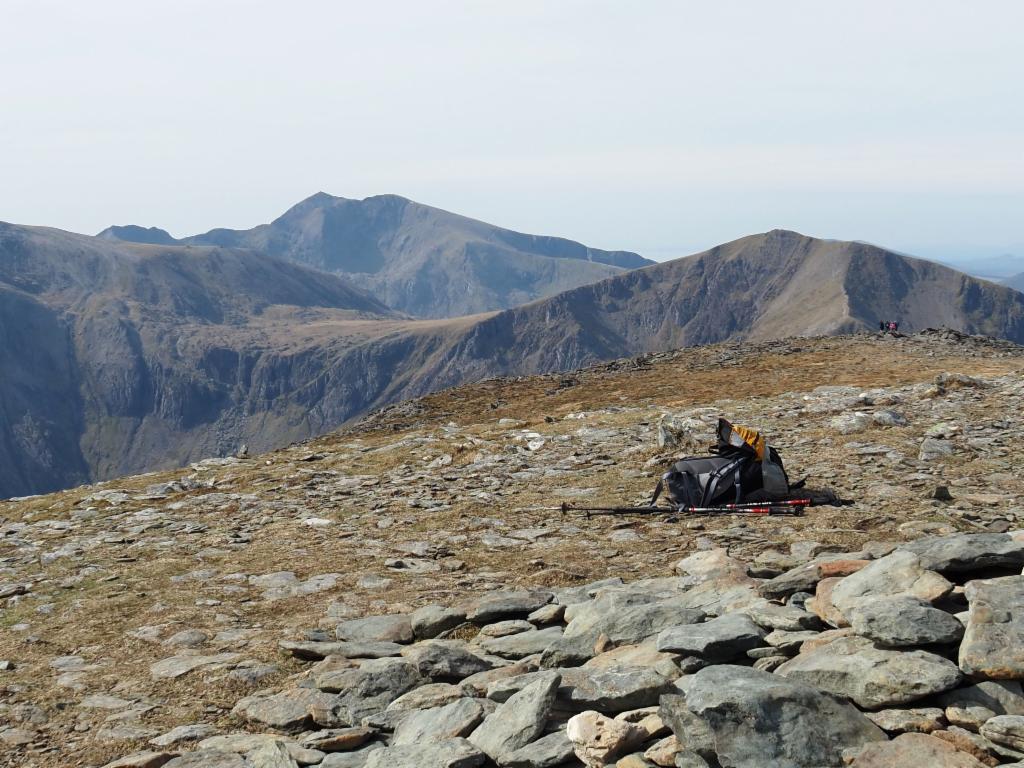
122, 358
415, 258
118, 358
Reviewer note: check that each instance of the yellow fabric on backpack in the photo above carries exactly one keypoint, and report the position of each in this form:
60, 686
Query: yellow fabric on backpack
751, 437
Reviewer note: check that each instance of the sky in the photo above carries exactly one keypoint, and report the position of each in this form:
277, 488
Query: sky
658, 127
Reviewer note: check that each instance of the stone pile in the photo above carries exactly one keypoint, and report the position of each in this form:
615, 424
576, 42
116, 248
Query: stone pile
897, 654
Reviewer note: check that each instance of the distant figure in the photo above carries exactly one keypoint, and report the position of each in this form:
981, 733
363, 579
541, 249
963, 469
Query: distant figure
881, 325
892, 326
895, 327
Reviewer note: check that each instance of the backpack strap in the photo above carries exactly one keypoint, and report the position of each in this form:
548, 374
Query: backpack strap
657, 491
734, 468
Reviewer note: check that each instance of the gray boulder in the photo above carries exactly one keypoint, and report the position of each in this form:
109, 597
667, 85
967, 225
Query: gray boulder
900, 574
611, 690
872, 677
784, 617
966, 552
440, 723
914, 749
367, 689
395, 628
445, 660
431, 620
904, 621
993, 645
507, 604
738, 717
718, 640
1004, 697
1005, 730
519, 720
208, 758
522, 644
316, 650
454, 753
546, 752
288, 710
625, 618
354, 759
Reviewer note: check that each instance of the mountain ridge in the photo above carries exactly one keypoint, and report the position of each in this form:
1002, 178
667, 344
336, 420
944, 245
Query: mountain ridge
416, 258
123, 358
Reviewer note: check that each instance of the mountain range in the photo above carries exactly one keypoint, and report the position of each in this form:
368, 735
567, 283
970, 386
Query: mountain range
416, 259
125, 357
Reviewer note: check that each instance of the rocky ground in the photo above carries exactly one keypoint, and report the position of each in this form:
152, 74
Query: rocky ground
405, 593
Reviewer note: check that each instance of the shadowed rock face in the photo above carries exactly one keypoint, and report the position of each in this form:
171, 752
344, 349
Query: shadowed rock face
416, 259
120, 358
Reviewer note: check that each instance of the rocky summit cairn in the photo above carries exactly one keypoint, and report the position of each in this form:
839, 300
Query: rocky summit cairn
890, 656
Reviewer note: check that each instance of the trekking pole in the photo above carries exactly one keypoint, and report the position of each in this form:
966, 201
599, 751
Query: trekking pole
786, 507
752, 505
767, 509
598, 511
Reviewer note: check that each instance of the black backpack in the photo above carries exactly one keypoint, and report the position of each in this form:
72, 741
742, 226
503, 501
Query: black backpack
744, 468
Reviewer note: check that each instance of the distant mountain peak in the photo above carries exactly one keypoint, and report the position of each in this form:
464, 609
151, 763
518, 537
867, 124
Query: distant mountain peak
416, 258
136, 234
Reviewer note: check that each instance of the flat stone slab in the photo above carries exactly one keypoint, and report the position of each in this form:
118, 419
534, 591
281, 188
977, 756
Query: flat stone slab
1004, 697
743, 718
967, 552
288, 710
143, 760
914, 749
804, 578
454, 720
337, 739
900, 574
546, 752
509, 604
454, 753
904, 621
611, 690
208, 758
369, 688
523, 644
1005, 730
718, 640
872, 677
922, 720
431, 620
314, 651
624, 618
176, 666
446, 660
394, 628
518, 721
993, 645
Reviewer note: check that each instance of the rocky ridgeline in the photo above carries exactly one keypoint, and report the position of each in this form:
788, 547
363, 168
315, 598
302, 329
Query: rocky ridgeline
893, 655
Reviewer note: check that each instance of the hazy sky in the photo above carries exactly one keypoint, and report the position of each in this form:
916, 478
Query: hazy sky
661, 127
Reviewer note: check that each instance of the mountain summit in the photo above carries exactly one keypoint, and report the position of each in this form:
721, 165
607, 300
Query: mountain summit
764, 286
417, 259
